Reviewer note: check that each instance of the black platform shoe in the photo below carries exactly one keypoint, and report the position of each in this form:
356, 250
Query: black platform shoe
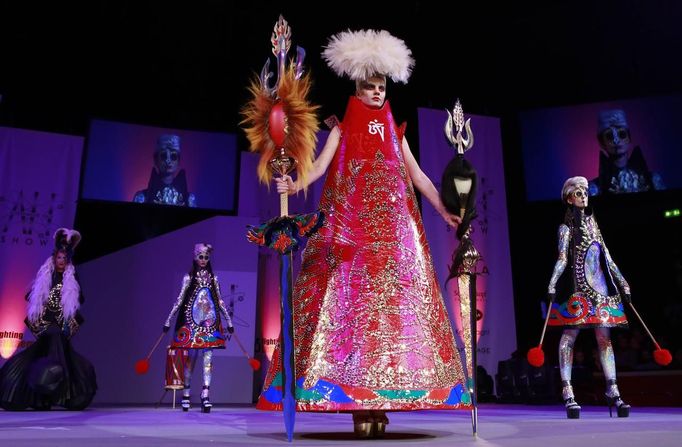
206, 404
622, 409
572, 407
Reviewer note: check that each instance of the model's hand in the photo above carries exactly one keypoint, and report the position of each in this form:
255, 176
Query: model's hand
627, 298
551, 297
230, 329
451, 219
285, 185
165, 329
73, 327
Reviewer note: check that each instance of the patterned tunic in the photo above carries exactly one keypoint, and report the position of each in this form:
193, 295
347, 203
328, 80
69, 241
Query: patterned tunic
200, 308
370, 325
594, 300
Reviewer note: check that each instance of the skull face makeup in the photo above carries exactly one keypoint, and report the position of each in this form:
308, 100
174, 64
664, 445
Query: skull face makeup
202, 254
574, 192
202, 260
167, 154
578, 198
614, 133
167, 161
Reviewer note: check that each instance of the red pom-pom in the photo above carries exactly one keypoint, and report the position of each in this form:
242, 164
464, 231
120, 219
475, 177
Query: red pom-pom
142, 366
662, 357
536, 357
255, 364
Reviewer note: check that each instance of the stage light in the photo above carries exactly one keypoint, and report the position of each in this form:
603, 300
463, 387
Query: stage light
672, 213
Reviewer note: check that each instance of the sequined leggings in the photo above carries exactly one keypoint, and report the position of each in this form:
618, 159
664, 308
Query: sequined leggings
608, 362
208, 366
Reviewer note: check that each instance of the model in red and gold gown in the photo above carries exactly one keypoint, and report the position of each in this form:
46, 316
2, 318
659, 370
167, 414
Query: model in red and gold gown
371, 328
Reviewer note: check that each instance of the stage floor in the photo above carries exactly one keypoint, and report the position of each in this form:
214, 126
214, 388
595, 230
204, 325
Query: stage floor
499, 425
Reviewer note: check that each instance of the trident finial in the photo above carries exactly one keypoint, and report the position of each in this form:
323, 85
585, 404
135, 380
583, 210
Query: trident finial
456, 122
281, 37
281, 42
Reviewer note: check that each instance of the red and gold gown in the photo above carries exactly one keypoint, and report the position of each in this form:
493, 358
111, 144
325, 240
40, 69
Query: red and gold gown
371, 331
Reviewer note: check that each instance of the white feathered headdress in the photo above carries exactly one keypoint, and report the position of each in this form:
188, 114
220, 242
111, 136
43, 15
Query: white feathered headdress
571, 185
362, 54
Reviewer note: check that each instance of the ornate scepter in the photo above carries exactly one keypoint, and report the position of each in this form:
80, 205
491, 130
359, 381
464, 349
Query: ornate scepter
281, 126
458, 193
280, 123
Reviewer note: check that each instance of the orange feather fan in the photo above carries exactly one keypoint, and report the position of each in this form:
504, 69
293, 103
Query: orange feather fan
302, 123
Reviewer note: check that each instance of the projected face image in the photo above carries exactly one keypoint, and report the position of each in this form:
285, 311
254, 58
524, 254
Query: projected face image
168, 183
620, 147
167, 154
615, 140
127, 162
167, 161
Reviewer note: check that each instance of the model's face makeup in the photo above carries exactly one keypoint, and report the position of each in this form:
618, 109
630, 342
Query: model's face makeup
167, 161
60, 261
578, 198
372, 92
202, 260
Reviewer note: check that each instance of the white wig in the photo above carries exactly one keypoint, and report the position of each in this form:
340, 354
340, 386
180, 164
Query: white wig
571, 185
366, 53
